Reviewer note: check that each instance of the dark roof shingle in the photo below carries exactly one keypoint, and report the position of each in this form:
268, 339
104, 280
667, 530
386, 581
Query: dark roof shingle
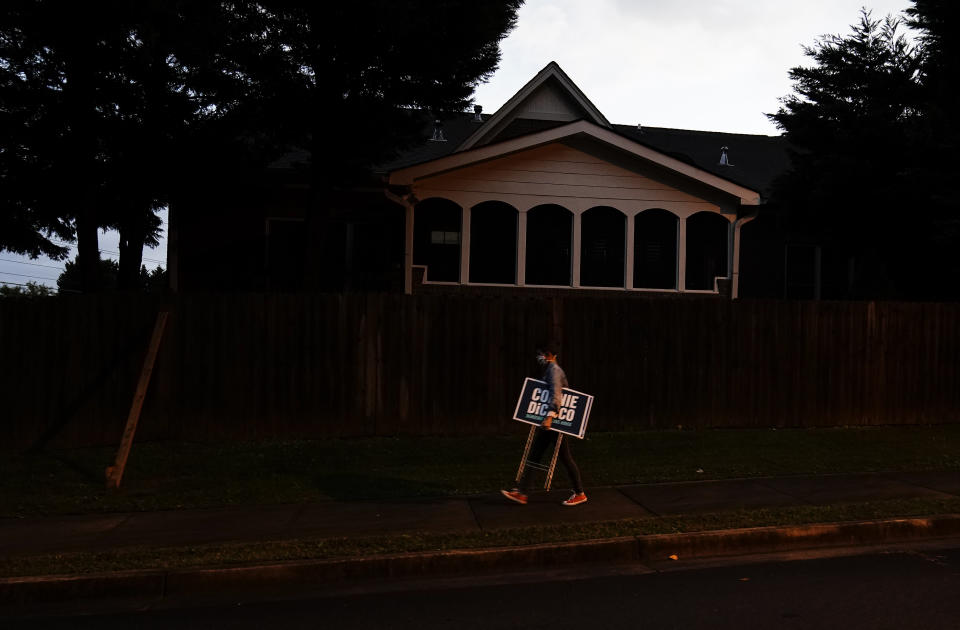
755, 160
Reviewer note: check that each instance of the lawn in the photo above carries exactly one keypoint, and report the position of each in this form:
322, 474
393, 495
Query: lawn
175, 475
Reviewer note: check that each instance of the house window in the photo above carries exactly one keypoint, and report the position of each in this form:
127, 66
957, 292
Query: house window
655, 250
602, 249
444, 238
549, 243
707, 238
436, 239
493, 243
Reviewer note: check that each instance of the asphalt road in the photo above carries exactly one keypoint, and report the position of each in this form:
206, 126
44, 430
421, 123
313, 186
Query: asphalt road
899, 589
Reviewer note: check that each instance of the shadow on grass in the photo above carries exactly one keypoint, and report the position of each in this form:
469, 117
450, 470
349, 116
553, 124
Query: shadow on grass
85, 471
350, 487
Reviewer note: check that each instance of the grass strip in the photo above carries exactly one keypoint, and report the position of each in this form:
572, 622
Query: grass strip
163, 476
239, 554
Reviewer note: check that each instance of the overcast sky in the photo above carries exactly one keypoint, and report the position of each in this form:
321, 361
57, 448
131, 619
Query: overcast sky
716, 65
16, 269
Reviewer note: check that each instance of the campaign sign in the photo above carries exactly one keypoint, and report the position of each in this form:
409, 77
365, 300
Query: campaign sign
571, 417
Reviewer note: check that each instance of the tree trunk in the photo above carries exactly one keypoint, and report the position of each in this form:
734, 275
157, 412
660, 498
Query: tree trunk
88, 248
318, 275
80, 98
150, 160
132, 234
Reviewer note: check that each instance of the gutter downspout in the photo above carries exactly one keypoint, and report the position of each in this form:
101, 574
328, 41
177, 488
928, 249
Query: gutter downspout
739, 223
407, 201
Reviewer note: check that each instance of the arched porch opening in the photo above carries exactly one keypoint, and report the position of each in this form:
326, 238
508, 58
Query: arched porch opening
707, 238
493, 243
602, 247
655, 249
549, 245
436, 239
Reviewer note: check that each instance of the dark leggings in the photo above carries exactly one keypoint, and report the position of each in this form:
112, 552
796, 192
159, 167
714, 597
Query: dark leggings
545, 440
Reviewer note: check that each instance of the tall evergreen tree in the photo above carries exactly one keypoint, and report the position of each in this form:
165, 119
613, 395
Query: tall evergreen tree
105, 106
937, 141
52, 61
850, 122
359, 73
30, 219
115, 107
175, 63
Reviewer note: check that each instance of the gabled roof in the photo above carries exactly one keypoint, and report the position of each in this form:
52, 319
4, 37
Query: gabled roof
576, 130
754, 160
457, 127
551, 85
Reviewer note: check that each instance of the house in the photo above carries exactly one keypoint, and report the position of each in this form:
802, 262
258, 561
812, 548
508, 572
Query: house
546, 194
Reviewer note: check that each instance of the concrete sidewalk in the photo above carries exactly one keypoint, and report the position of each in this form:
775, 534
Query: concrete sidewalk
146, 587
32, 536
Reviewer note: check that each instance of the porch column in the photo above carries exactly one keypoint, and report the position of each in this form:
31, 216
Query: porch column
576, 249
465, 245
521, 248
731, 245
628, 272
682, 255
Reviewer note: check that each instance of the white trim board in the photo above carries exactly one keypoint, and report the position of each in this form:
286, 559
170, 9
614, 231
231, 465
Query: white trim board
582, 128
512, 108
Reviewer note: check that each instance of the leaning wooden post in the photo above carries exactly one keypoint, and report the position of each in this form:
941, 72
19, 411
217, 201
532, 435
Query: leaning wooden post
115, 472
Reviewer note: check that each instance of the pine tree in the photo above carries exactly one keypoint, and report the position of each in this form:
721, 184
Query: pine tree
113, 108
105, 105
937, 141
850, 122
360, 73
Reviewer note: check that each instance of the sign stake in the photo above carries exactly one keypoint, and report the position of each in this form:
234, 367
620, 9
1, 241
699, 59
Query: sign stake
526, 452
553, 463
525, 463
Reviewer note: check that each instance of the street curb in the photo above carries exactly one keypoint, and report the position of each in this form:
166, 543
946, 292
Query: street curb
796, 537
402, 566
153, 584
61, 588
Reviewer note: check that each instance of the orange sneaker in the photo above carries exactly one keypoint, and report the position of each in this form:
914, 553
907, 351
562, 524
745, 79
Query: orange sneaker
576, 499
515, 495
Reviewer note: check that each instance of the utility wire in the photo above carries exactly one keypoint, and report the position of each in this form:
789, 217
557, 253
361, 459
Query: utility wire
24, 275
24, 262
7, 283
110, 251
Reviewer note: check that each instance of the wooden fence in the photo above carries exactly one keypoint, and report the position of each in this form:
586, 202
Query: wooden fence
243, 366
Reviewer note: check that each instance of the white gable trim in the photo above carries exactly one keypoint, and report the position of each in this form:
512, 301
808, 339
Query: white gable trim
409, 175
552, 70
